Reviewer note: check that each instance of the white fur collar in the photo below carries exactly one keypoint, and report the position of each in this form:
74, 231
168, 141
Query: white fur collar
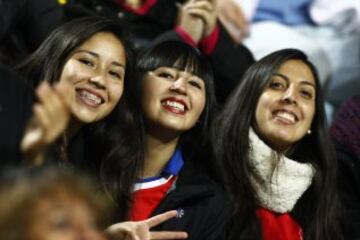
277, 189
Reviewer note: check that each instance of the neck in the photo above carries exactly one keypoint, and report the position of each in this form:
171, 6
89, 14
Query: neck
158, 151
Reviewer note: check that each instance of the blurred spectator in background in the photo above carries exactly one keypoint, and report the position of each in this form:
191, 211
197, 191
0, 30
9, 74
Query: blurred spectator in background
48, 203
328, 31
192, 21
345, 132
24, 24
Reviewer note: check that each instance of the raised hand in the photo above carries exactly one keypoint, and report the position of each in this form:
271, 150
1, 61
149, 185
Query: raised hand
191, 24
50, 118
233, 19
141, 230
206, 10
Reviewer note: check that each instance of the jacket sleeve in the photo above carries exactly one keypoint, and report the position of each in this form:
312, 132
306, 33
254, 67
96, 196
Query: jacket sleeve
218, 219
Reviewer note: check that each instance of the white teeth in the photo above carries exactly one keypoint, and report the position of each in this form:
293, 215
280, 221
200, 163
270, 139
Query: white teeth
89, 96
285, 115
175, 105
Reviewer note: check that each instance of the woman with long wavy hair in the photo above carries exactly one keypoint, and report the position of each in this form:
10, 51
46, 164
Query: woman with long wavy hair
272, 142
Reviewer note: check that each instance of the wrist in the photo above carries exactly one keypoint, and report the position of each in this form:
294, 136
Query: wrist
186, 37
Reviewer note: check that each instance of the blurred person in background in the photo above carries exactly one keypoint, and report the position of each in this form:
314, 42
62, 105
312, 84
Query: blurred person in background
49, 203
345, 132
192, 21
328, 31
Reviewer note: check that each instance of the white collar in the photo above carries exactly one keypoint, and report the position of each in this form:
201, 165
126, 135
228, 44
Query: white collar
279, 188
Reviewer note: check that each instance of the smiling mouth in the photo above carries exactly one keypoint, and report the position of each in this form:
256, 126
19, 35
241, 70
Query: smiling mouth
285, 117
89, 98
174, 106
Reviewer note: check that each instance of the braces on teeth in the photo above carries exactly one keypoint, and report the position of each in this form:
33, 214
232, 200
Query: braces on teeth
91, 97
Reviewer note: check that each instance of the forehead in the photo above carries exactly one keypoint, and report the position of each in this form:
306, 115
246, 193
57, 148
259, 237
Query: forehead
101, 37
105, 44
188, 72
297, 71
186, 62
49, 206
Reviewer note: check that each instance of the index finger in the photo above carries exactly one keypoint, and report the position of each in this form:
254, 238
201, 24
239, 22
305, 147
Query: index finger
168, 235
237, 17
156, 220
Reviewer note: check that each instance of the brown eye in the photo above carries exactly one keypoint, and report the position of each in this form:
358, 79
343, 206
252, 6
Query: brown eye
86, 62
306, 94
277, 85
166, 75
116, 74
195, 84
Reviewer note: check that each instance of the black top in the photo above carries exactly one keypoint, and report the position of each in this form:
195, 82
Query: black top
203, 206
15, 110
349, 169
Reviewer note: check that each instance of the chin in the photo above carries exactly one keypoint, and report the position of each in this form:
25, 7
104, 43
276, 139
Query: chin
86, 119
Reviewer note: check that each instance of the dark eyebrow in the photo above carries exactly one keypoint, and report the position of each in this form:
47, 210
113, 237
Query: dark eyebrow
302, 82
98, 56
282, 76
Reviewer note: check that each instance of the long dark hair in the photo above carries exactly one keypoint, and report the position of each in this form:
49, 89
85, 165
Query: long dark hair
120, 173
48, 61
231, 146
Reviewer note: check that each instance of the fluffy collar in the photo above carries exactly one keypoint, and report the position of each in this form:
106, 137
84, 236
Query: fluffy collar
278, 188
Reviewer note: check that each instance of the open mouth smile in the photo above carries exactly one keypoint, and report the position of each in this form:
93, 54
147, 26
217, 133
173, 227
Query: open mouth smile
285, 117
89, 97
174, 105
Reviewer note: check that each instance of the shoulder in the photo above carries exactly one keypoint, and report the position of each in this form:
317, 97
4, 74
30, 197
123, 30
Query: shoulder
202, 204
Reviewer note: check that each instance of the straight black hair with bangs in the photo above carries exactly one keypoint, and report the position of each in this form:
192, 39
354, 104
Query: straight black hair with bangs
177, 55
120, 173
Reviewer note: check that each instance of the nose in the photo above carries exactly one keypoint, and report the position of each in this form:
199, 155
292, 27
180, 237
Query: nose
289, 96
179, 86
99, 81
86, 233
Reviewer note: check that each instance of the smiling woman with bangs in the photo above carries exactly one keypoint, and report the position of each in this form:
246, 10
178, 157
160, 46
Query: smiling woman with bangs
175, 92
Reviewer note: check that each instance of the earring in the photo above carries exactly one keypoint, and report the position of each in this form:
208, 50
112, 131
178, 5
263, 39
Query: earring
309, 132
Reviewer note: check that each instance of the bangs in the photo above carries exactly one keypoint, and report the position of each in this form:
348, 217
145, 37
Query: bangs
176, 55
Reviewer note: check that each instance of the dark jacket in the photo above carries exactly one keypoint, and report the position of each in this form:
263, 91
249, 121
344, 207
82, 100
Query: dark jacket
203, 206
15, 110
349, 168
